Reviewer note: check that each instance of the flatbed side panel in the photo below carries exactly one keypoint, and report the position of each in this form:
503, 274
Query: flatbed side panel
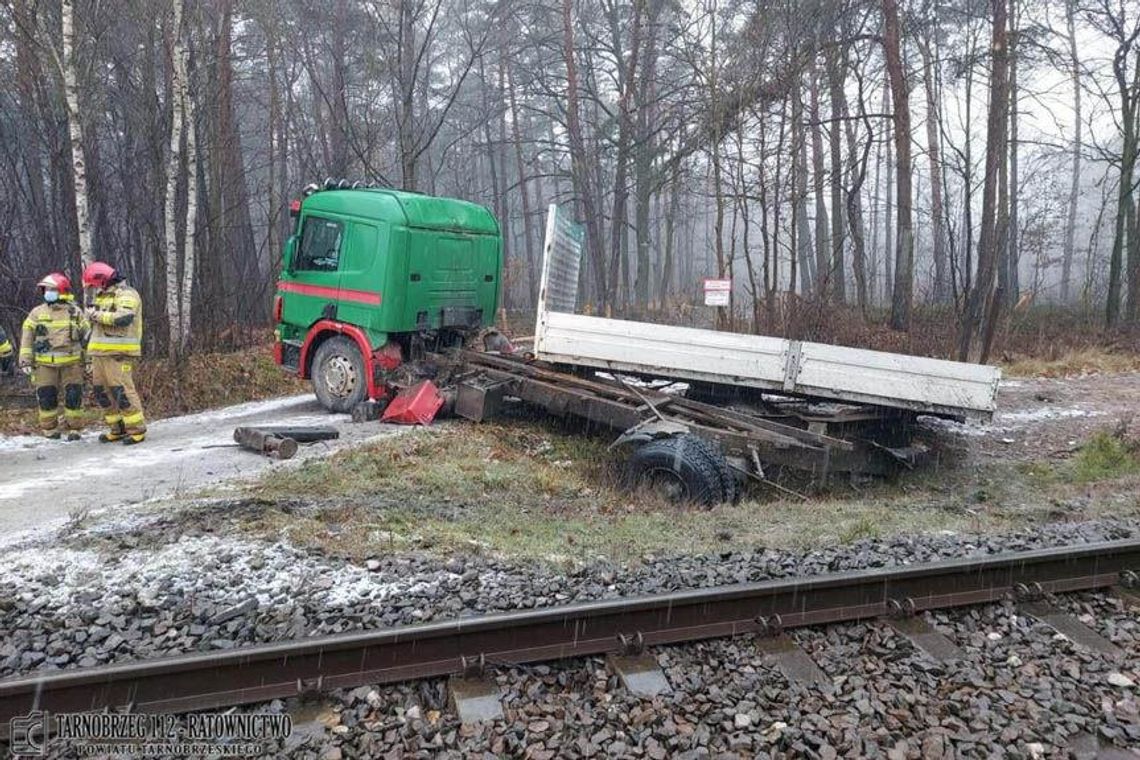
898, 380
817, 370
834, 372
663, 347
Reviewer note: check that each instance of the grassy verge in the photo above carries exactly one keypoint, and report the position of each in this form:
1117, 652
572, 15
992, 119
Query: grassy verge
1103, 457
1077, 362
528, 492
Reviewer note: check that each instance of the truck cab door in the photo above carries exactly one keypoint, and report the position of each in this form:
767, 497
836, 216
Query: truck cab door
314, 282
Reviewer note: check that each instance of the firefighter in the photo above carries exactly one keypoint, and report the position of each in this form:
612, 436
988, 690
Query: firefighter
6, 353
115, 348
51, 353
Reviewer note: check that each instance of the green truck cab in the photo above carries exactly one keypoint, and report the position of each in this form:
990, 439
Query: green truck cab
373, 276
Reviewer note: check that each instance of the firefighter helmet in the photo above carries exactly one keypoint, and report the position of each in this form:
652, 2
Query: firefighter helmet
99, 275
55, 281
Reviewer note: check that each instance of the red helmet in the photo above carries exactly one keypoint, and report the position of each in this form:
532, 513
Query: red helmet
55, 281
98, 275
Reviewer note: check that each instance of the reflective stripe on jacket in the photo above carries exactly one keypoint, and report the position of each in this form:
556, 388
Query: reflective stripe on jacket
5, 345
53, 335
116, 325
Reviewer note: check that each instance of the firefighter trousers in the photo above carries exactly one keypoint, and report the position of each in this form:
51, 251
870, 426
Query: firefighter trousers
55, 383
113, 378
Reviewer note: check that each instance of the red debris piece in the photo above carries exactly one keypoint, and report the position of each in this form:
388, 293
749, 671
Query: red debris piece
415, 405
389, 356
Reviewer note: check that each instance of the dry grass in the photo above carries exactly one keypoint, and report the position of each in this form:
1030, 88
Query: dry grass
520, 491
461, 466
1080, 361
203, 381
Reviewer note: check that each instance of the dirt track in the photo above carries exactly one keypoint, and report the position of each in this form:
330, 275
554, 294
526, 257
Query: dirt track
1039, 418
42, 482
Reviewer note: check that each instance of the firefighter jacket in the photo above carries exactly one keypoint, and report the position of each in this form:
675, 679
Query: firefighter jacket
116, 323
5, 345
53, 334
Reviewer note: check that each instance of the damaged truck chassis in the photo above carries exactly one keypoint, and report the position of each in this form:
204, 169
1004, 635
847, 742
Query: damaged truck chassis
811, 408
754, 407
671, 435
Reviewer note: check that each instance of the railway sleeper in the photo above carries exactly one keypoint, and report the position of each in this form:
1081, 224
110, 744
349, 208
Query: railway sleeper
201, 681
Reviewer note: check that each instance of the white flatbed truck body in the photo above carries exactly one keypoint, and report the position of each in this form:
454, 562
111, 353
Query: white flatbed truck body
789, 367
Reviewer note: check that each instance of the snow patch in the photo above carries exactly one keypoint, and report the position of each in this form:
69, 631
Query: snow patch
15, 442
249, 408
237, 569
1005, 422
1041, 414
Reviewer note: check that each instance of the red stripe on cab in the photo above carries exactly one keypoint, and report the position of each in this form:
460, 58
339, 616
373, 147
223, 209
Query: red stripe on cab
338, 294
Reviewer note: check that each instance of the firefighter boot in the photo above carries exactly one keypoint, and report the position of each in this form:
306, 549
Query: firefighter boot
132, 438
117, 431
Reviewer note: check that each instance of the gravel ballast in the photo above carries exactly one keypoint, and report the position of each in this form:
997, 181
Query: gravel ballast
1022, 691
64, 608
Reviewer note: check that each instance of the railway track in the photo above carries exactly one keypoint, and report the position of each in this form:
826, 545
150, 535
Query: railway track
620, 627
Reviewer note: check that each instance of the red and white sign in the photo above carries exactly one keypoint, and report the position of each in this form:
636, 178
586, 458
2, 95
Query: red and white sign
717, 292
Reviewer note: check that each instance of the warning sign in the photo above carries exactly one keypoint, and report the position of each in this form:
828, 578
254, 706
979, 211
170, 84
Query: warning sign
717, 291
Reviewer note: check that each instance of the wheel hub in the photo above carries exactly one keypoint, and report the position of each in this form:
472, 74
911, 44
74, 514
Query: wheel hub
340, 376
666, 483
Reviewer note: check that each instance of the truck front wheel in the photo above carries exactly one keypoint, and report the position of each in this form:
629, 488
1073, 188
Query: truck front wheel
339, 378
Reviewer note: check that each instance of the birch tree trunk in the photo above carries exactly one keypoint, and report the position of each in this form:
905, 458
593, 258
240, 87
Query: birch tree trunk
186, 298
174, 307
75, 132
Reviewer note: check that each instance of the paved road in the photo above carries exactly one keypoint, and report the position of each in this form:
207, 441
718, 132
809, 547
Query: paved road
42, 481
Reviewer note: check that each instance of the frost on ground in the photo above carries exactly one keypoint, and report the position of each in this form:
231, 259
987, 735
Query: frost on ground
1042, 417
1010, 420
182, 455
140, 596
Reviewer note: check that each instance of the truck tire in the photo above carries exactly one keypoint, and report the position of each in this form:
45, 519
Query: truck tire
680, 468
730, 493
338, 375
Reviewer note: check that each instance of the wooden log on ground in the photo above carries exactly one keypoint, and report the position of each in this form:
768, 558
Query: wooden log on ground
301, 434
264, 442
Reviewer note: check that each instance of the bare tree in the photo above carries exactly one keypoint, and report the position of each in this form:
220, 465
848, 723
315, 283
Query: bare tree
68, 66
177, 310
980, 304
934, 155
1075, 181
903, 295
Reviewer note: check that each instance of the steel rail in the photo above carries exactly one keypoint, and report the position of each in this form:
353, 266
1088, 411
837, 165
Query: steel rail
264, 672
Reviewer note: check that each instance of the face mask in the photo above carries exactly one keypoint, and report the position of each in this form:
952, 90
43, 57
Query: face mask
51, 296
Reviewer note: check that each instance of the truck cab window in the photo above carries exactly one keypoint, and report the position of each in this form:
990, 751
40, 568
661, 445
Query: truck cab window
320, 245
